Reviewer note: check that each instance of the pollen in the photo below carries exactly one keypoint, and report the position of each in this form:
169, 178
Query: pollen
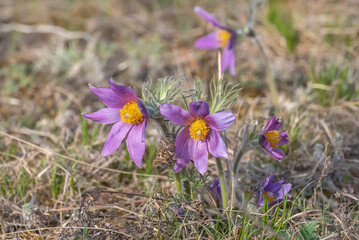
223, 37
273, 138
198, 129
270, 196
131, 114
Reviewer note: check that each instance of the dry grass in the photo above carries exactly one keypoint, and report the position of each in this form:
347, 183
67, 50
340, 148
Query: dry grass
54, 184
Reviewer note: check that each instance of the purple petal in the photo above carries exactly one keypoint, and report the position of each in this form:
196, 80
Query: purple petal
115, 137
263, 141
216, 145
267, 182
199, 109
274, 187
136, 142
276, 153
142, 108
283, 138
180, 164
123, 92
260, 198
208, 17
220, 121
108, 97
273, 124
200, 157
208, 42
284, 188
228, 60
105, 115
176, 114
184, 145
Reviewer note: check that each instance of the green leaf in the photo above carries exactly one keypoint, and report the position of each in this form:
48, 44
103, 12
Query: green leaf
308, 231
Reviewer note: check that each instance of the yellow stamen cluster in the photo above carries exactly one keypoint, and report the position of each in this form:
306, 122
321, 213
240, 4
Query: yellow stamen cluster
198, 129
223, 37
273, 138
270, 196
131, 114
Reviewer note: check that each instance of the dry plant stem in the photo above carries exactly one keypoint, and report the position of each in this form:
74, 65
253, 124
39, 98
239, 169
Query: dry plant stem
223, 183
17, 27
270, 78
51, 153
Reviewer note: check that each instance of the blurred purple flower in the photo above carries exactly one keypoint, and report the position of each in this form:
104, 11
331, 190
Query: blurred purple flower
275, 192
271, 138
129, 116
215, 190
180, 212
200, 134
224, 38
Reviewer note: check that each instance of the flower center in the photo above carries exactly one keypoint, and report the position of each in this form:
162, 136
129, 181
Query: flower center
270, 196
131, 114
223, 37
198, 129
273, 138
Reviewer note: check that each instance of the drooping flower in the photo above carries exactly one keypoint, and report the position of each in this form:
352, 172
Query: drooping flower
271, 138
224, 38
274, 191
200, 134
129, 116
215, 190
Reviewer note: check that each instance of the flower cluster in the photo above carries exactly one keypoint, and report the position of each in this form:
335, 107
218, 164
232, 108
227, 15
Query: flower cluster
195, 132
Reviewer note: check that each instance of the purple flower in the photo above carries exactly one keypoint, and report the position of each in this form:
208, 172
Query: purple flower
274, 192
215, 190
180, 212
224, 38
271, 138
129, 116
200, 134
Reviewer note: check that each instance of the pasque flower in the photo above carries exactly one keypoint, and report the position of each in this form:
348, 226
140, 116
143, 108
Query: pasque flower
271, 138
215, 190
274, 191
129, 116
224, 38
200, 134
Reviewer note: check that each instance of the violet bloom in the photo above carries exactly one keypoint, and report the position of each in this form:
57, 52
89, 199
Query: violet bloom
129, 116
224, 38
271, 138
215, 190
274, 191
200, 134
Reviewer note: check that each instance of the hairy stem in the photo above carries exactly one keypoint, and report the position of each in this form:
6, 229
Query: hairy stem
178, 183
223, 183
237, 160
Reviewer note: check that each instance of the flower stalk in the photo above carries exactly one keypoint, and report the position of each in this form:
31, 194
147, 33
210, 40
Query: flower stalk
236, 163
178, 183
222, 182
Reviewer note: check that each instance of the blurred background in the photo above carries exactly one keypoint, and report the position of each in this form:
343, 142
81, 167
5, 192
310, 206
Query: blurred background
51, 50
